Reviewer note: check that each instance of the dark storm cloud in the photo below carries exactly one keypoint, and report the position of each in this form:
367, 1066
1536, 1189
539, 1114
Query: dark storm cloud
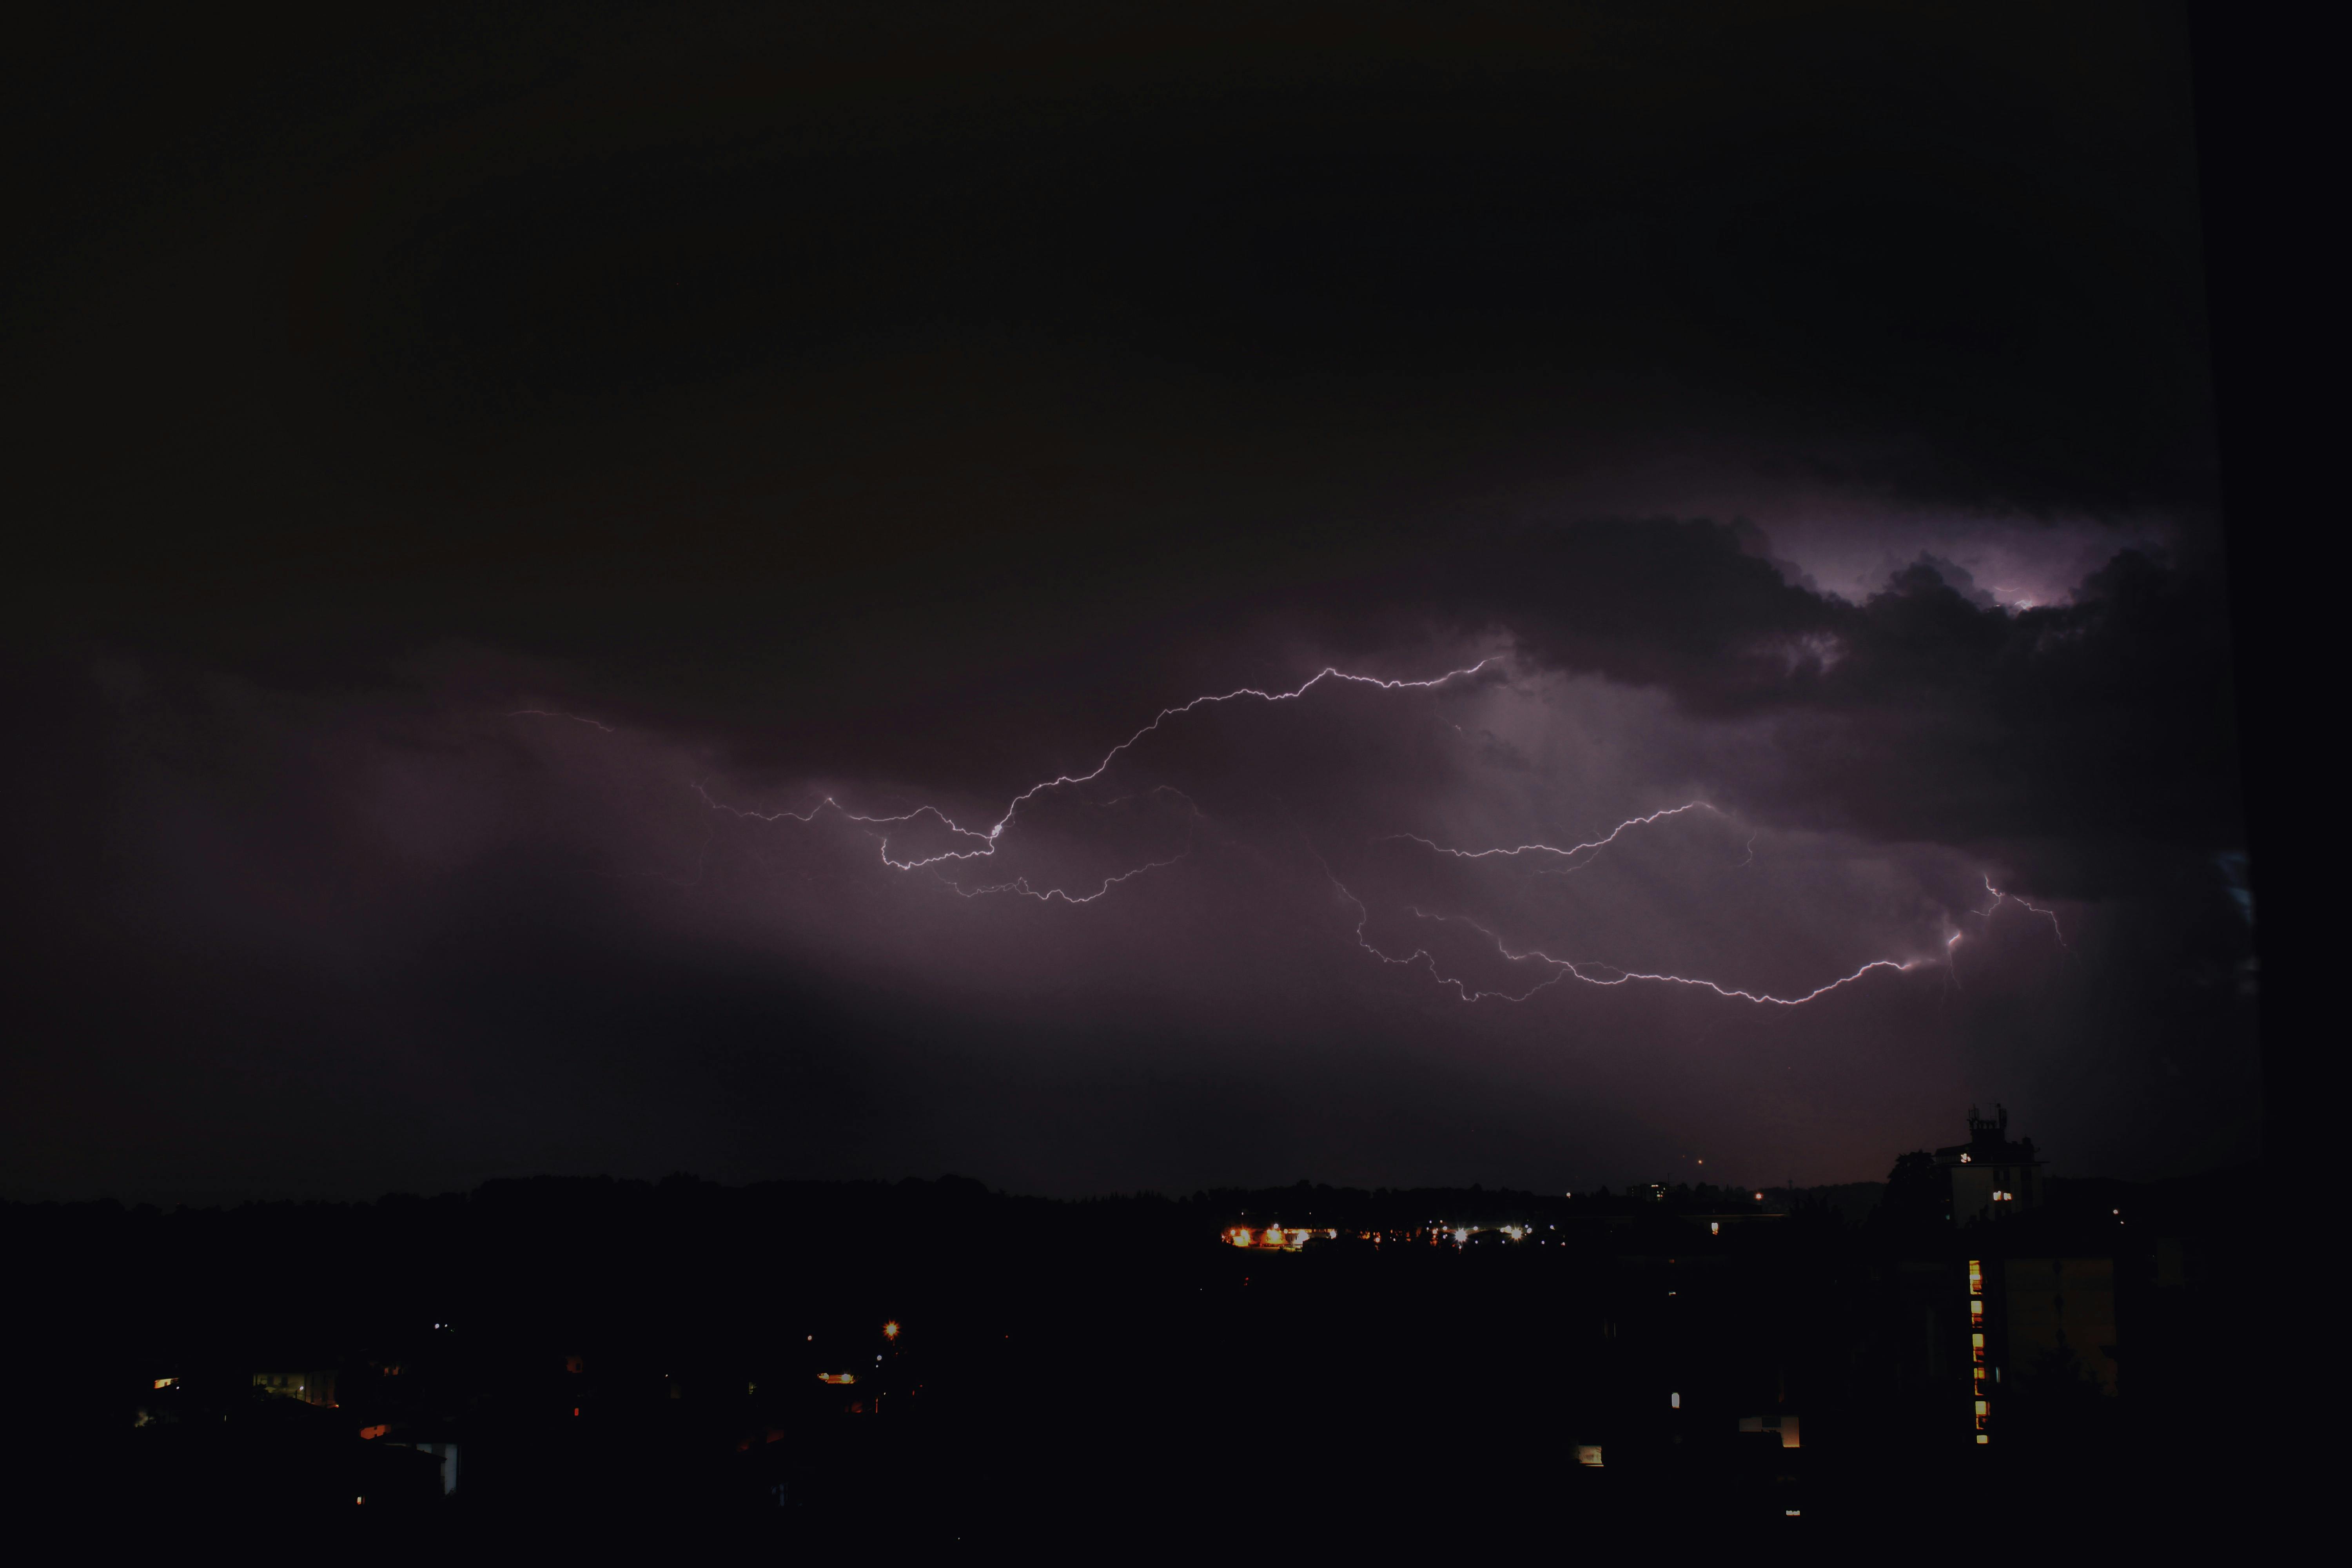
2082, 735
1002, 280
905, 405
735, 374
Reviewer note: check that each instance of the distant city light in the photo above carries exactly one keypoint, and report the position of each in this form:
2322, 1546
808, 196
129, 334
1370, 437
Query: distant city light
165, 1381
836, 1377
890, 1330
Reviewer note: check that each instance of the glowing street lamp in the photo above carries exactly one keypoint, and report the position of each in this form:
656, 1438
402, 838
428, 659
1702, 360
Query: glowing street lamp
890, 1330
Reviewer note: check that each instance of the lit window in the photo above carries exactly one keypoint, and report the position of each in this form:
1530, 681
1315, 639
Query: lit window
1674, 1401
1976, 1277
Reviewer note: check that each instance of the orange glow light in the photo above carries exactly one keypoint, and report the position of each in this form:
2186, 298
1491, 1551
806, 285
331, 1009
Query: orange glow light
890, 1330
374, 1431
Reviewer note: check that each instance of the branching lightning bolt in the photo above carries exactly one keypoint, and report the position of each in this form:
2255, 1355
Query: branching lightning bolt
1562, 968
988, 841
1326, 673
2000, 898
981, 844
1020, 885
1606, 840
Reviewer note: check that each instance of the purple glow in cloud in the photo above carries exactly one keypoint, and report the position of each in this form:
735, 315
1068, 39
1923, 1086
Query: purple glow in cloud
1591, 973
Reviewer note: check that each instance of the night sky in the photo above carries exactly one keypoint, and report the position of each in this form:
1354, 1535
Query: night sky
477, 483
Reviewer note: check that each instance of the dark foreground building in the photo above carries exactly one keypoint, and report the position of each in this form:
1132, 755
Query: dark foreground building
1989, 1177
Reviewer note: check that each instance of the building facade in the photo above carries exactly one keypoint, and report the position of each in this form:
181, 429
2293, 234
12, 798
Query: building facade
1989, 1177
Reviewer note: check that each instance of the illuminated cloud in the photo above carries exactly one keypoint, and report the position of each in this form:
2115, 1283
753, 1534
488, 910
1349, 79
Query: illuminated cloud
549, 638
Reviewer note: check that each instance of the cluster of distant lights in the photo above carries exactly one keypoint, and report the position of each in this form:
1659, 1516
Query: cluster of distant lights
977, 843
1291, 1238
890, 1332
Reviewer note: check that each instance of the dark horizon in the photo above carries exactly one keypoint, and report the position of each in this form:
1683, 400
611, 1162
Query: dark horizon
1474, 1202
913, 1365
486, 484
